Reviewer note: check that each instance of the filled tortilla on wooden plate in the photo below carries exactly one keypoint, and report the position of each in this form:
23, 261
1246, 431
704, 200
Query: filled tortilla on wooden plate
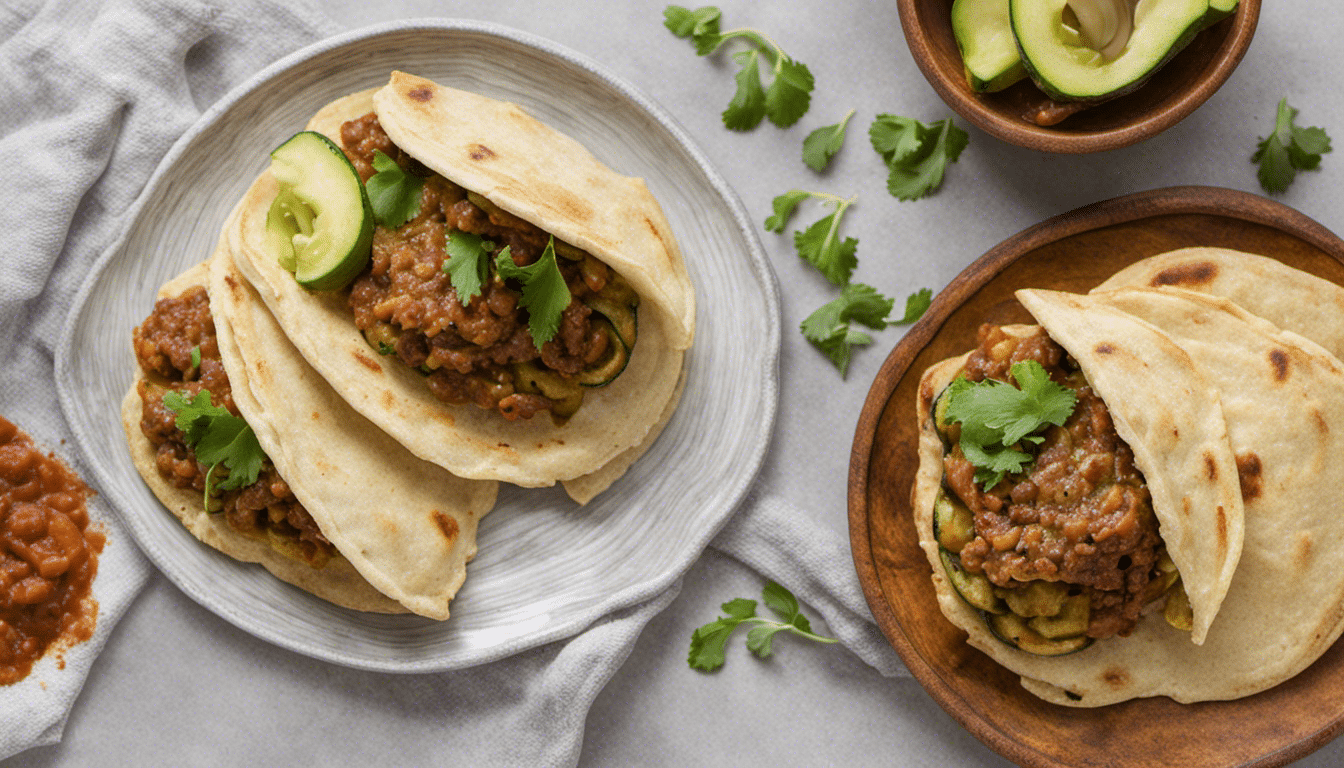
1281, 399
461, 383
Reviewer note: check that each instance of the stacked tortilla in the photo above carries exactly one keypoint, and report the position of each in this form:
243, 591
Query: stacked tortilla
395, 479
1202, 355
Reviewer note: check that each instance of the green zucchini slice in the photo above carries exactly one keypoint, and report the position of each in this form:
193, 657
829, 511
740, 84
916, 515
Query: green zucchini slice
320, 225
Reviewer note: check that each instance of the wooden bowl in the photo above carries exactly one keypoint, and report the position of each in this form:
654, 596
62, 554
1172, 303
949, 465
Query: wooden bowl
1183, 84
1072, 252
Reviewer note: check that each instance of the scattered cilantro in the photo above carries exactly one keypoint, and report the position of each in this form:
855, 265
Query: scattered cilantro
545, 294
1288, 149
468, 263
822, 144
787, 97
996, 417
708, 641
820, 244
385, 349
218, 437
196, 357
393, 193
829, 328
916, 154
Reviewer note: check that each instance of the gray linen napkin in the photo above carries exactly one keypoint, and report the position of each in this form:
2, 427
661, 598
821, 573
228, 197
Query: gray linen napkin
93, 97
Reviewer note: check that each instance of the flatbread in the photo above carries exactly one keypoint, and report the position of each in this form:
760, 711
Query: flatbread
536, 173
405, 528
1290, 298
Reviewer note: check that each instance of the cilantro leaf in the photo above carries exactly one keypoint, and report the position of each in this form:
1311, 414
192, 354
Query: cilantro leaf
916, 304
219, 438
545, 294
709, 641
747, 108
916, 154
1288, 149
196, 357
996, 417
822, 144
783, 207
468, 263
393, 193
700, 25
829, 329
820, 244
789, 94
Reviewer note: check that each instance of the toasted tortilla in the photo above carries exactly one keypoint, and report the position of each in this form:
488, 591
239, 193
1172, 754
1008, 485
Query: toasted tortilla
546, 178
404, 528
1283, 399
1178, 435
1289, 298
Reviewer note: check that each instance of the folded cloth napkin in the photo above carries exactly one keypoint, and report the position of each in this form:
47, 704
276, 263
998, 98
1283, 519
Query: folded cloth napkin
94, 96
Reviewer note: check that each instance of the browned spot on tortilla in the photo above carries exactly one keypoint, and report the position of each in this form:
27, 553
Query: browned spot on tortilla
447, 524
1185, 506
1302, 552
421, 94
1210, 465
229, 279
1115, 677
1279, 359
1104, 349
1175, 431
1194, 273
1322, 425
1249, 472
1222, 529
368, 362
389, 399
480, 152
316, 415
502, 445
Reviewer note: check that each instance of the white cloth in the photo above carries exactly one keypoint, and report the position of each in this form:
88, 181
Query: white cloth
93, 96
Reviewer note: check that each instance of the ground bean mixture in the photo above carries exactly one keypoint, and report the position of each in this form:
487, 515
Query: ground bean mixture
164, 346
406, 306
1081, 513
48, 555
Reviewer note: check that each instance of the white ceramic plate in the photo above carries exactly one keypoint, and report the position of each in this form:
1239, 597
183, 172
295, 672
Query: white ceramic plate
547, 568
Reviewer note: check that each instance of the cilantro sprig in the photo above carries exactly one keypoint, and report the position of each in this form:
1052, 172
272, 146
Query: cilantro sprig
830, 328
709, 641
1288, 149
916, 153
394, 194
822, 144
997, 417
545, 294
219, 438
468, 263
789, 94
820, 244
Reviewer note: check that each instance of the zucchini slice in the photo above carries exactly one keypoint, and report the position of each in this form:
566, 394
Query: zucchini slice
1013, 629
604, 371
974, 589
622, 316
953, 523
320, 225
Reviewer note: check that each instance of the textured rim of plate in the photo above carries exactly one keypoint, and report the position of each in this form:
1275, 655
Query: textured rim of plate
749, 452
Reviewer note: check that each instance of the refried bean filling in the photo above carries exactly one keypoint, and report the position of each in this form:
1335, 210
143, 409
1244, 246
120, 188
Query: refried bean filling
1080, 514
164, 346
482, 352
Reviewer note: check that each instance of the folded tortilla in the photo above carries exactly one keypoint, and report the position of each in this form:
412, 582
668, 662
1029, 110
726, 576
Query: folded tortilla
534, 172
1178, 436
404, 528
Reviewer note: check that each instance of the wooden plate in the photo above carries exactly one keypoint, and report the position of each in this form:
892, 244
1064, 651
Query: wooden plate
1186, 81
1072, 252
